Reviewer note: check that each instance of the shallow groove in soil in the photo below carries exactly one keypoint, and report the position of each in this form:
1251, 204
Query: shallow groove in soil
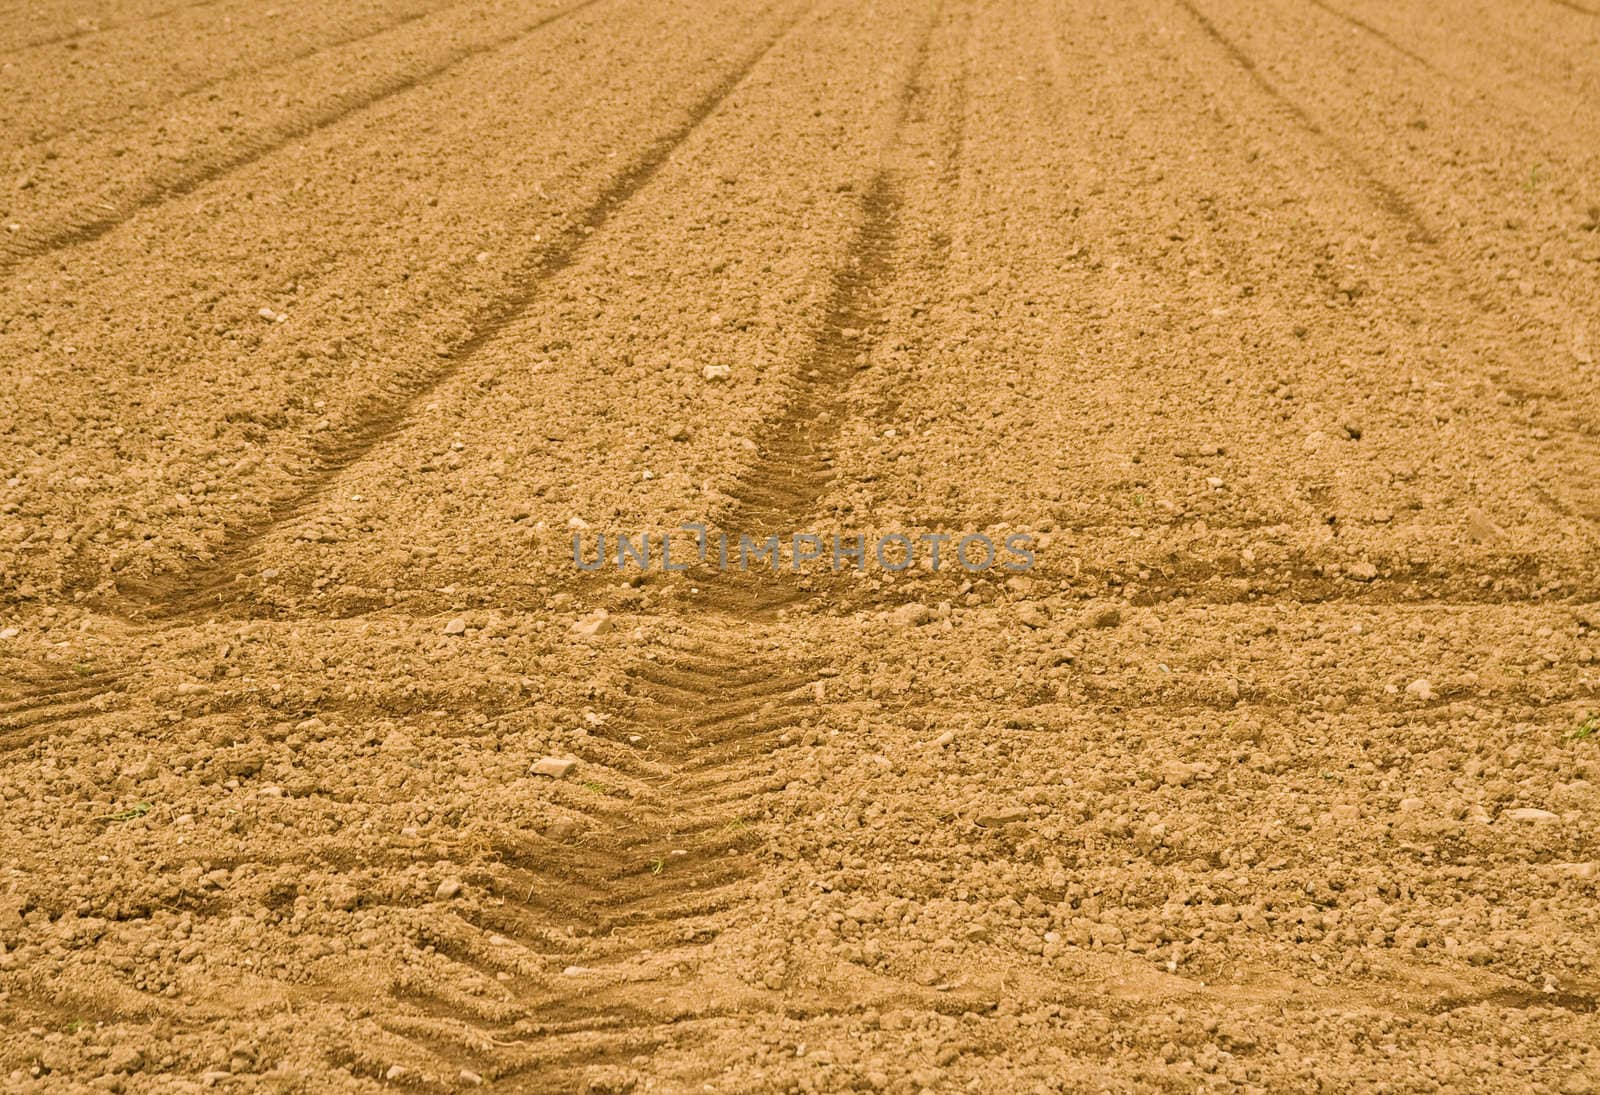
311, 50
1368, 28
1387, 197
97, 216
84, 32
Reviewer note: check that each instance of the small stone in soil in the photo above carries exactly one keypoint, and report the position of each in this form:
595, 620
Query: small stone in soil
592, 626
911, 615
1482, 529
1104, 616
1006, 815
1178, 774
554, 767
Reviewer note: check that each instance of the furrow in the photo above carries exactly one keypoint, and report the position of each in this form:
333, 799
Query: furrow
1367, 28
206, 83
1384, 194
99, 215
77, 33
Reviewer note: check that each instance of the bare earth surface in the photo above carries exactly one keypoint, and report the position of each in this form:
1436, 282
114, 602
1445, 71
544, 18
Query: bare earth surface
323, 327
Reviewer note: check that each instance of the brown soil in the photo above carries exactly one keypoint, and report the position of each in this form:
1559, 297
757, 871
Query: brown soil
323, 328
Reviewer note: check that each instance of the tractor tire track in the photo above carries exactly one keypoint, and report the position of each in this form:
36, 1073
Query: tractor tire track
709, 708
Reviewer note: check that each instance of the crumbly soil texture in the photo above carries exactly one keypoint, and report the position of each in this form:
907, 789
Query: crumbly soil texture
1269, 326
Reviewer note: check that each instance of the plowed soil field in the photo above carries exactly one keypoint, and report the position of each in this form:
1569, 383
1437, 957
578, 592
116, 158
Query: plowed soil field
1258, 337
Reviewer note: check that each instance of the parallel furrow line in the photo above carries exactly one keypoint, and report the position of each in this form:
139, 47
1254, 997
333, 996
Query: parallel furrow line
1363, 25
84, 32
94, 218
1386, 196
280, 63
